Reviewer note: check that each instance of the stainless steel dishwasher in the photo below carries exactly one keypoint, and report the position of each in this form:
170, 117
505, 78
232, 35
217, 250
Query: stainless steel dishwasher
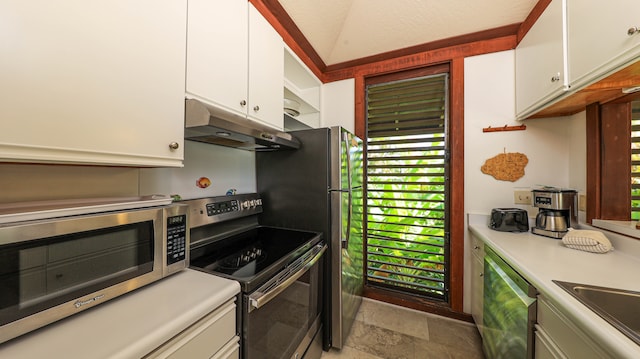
509, 310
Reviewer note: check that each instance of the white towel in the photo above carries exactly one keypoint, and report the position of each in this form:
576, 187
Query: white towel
587, 240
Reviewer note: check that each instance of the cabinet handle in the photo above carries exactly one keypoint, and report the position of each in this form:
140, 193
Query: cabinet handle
633, 30
243, 103
476, 247
482, 274
556, 78
174, 145
256, 108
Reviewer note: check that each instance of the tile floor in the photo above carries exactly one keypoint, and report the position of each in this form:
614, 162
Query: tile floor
386, 331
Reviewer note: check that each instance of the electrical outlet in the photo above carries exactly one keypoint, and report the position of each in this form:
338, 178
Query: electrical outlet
582, 202
522, 197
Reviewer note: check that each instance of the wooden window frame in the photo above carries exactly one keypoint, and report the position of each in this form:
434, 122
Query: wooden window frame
454, 308
439, 69
609, 160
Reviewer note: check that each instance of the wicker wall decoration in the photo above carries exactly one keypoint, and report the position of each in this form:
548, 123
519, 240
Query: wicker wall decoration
506, 166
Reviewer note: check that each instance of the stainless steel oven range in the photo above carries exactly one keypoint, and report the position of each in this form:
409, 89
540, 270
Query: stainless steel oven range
279, 271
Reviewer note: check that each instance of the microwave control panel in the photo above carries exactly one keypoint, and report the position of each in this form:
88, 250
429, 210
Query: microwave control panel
176, 238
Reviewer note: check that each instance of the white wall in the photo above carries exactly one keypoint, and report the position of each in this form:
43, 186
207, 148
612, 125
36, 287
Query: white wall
552, 145
226, 168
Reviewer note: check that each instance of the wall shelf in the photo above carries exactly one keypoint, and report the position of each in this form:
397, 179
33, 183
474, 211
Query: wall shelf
302, 86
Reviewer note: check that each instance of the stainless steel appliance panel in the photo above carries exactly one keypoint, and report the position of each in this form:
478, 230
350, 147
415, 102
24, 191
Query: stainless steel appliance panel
509, 312
280, 272
53, 268
558, 211
283, 316
317, 187
347, 280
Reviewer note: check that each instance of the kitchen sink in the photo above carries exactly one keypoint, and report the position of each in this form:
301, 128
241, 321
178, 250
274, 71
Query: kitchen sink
619, 307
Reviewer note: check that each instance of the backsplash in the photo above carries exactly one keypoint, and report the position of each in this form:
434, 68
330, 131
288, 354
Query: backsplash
34, 182
225, 168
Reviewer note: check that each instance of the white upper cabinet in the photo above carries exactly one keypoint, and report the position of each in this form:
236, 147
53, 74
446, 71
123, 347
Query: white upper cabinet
266, 71
541, 61
217, 53
235, 60
603, 36
574, 44
92, 82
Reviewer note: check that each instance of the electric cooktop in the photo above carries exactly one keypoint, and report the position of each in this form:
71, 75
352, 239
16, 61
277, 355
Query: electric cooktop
254, 256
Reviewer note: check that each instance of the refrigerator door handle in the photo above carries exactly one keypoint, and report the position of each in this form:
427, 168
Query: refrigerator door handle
345, 140
345, 243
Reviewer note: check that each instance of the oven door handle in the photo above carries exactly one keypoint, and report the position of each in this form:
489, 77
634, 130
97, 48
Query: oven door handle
275, 286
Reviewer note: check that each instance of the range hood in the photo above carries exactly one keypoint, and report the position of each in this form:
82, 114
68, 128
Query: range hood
208, 124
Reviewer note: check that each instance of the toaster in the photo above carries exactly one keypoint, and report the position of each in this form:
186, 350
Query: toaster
509, 220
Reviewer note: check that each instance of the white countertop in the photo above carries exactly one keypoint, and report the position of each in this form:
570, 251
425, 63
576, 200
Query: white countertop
541, 259
129, 326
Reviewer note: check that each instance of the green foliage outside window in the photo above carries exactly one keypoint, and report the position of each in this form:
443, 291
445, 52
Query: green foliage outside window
406, 217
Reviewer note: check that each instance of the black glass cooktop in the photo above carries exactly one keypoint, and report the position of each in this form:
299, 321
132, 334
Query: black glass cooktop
253, 256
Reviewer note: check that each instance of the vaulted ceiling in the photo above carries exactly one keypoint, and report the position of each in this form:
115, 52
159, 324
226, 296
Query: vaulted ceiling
345, 30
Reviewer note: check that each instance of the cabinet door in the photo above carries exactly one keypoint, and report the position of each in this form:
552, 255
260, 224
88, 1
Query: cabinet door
212, 335
266, 72
567, 337
545, 347
99, 82
217, 53
477, 285
477, 281
541, 64
599, 42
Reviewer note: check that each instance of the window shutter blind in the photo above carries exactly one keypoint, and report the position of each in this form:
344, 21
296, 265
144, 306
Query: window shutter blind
407, 244
635, 160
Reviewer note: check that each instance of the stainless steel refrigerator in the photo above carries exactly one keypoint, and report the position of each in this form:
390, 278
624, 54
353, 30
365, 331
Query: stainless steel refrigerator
319, 187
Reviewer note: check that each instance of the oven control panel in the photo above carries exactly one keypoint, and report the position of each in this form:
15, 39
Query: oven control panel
211, 210
222, 207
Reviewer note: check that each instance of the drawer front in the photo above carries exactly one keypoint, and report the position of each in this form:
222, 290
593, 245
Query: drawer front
545, 347
230, 351
572, 341
477, 247
203, 339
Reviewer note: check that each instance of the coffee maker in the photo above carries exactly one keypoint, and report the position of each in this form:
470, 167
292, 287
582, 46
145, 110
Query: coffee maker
558, 211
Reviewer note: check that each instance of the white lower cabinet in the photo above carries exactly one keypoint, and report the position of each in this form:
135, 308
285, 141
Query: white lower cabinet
558, 337
214, 336
477, 281
93, 82
545, 347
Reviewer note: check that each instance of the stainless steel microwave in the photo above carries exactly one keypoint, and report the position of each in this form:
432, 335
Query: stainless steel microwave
53, 268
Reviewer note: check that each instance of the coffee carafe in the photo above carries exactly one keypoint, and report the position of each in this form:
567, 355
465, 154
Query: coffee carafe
558, 211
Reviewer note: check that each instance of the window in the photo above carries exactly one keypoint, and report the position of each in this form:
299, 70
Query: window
407, 192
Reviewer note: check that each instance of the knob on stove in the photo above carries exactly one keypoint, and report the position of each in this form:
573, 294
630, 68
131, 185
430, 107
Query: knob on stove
253, 203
